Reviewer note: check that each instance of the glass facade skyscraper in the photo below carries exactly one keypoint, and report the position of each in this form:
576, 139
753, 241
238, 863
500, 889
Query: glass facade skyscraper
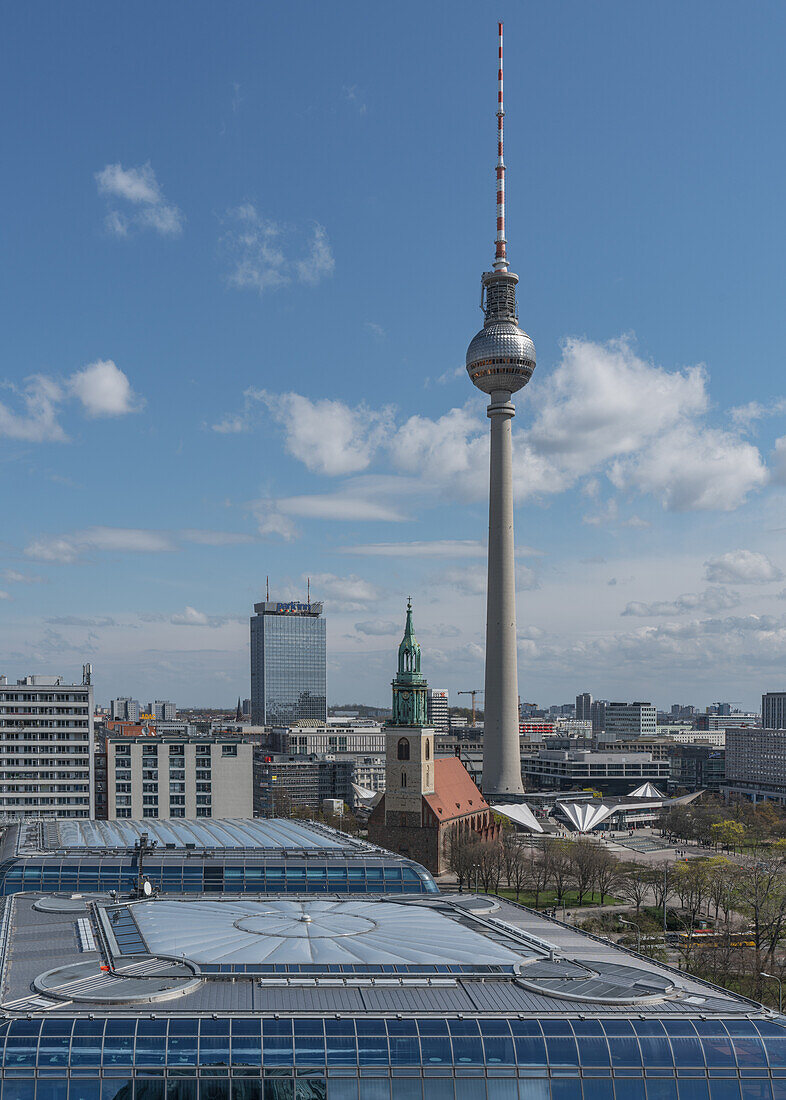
288, 663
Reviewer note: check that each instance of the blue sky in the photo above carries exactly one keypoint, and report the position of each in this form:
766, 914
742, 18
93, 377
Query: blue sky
242, 248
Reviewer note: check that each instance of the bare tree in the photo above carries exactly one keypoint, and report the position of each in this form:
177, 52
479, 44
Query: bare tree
633, 886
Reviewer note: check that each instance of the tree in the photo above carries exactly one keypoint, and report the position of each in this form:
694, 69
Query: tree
633, 885
560, 875
729, 834
607, 873
583, 864
463, 858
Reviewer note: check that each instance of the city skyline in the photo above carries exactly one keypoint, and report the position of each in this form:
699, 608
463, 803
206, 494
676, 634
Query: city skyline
203, 383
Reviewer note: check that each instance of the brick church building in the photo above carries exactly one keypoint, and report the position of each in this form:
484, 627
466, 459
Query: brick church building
428, 804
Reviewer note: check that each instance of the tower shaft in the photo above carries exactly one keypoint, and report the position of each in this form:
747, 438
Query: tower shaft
501, 754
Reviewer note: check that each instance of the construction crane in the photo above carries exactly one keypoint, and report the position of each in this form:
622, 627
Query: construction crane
473, 693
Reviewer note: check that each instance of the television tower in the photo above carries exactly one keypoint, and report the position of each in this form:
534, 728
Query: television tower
500, 360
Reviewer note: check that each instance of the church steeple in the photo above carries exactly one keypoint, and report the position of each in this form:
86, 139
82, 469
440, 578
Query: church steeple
409, 686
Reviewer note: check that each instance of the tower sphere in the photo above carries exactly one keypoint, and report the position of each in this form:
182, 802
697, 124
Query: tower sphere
501, 357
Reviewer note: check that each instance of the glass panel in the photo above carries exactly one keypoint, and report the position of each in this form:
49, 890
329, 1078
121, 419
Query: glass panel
180, 1089
246, 1090
561, 1051
629, 1088
467, 1051
725, 1090
150, 1089
117, 1089
663, 1088
499, 1051
404, 1051
687, 1052
718, 1052
310, 1088
436, 1051
750, 1052
309, 1050
473, 1088
80, 1090
624, 1052
569, 1089
499, 1088
375, 1089
150, 1043
655, 1052
213, 1050
52, 1089
530, 1051
54, 1043
535, 1088
341, 1050
407, 1088
212, 1088
592, 1051
22, 1042
756, 1090
776, 1052
347, 1088
693, 1089
372, 1049
281, 1089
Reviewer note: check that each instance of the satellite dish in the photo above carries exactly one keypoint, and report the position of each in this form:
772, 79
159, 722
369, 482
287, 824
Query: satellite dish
147, 889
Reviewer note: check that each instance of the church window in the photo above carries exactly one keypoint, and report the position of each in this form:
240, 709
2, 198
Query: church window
403, 779
428, 749
403, 750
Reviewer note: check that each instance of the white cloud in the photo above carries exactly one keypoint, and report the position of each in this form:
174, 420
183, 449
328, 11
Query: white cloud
377, 627
260, 252
329, 437
13, 576
139, 188
37, 423
190, 617
471, 579
744, 416
70, 547
351, 593
711, 601
440, 548
742, 567
104, 390
5, 595
778, 460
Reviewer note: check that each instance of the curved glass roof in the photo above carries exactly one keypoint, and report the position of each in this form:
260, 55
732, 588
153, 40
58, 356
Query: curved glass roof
202, 833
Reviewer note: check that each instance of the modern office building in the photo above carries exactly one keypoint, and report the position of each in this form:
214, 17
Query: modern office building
288, 663
124, 709
164, 711
728, 721
437, 709
626, 720
358, 998
697, 767
162, 777
285, 782
610, 772
756, 764
584, 706
204, 856
598, 716
308, 738
773, 710
46, 747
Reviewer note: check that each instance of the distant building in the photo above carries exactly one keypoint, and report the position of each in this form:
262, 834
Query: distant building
598, 716
437, 709
288, 663
429, 803
46, 748
773, 710
697, 767
756, 764
584, 706
306, 740
124, 709
164, 711
626, 720
716, 738
610, 772
178, 777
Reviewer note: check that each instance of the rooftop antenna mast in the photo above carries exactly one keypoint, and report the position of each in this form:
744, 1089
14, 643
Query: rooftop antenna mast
501, 253
308, 591
267, 588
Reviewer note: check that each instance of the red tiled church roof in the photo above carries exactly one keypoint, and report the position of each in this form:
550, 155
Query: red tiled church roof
455, 792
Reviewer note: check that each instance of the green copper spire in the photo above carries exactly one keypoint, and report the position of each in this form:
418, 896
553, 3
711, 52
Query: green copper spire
409, 687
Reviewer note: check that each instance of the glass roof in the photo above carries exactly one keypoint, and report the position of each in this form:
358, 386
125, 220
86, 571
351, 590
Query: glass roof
203, 833
279, 931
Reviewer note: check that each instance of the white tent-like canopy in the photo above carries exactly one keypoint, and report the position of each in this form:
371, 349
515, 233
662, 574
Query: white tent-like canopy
646, 790
366, 796
584, 816
521, 814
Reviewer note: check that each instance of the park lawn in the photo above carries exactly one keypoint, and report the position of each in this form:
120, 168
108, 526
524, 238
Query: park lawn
547, 899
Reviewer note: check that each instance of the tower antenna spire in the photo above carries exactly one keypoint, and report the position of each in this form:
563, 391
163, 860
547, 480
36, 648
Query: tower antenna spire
501, 253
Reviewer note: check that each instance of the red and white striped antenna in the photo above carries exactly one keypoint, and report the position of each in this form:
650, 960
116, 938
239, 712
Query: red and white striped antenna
501, 255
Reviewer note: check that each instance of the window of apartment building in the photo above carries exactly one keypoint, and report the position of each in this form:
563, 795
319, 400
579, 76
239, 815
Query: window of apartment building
122, 812
123, 800
177, 788
203, 788
148, 788
229, 750
203, 775
203, 799
177, 800
149, 811
177, 750
123, 788
149, 799
204, 811
177, 811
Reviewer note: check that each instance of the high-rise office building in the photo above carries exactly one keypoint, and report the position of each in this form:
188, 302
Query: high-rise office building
625, 720
46, 747
437, 707
164, 711
288, 663
773, 710
584, 706
124, 709
500, 360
